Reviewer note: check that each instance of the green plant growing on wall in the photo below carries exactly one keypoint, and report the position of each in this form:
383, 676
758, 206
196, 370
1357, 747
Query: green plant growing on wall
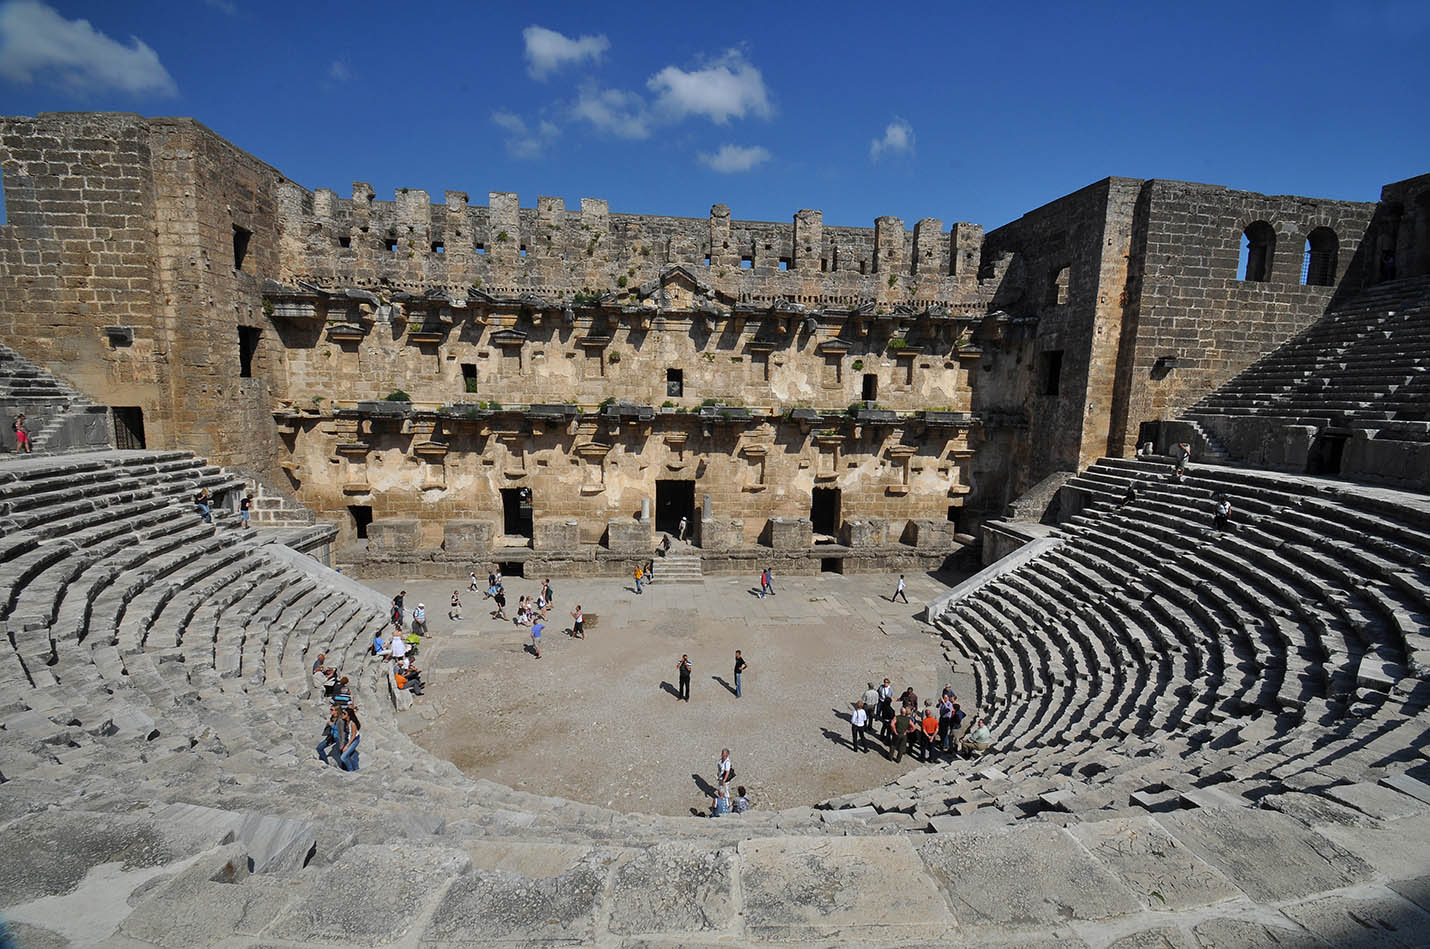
471, 385
709, 357
267, 308
621, 281
607, 401
898, 343
397, 395
613, 358
856, 365
503, 237
667, 404
893, 279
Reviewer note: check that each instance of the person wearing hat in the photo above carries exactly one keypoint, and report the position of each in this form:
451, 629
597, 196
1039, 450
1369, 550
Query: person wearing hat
419, 619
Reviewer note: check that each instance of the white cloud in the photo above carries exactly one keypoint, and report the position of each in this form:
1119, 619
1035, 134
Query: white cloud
729, 87
898, 140
548, 50
339, 71
735, 158
34, 39
524, 140
614, 111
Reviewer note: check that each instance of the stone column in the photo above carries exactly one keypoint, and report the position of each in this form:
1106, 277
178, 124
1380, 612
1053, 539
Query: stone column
965, 250
888, 245
722, 251
928, 246
808, 240
504, 223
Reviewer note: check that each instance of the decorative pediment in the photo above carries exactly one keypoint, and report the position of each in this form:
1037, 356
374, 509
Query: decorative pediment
832, 347
508, 338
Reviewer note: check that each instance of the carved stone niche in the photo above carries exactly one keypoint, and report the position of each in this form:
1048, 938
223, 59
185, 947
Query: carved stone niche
755, 475
593, 466
899, 458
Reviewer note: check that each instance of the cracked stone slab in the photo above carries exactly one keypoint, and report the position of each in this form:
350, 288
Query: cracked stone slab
1377, 921
1228, 933
1026, 877
1314, 810
1160, 937
209, 901
1396, 849
843, 888
486, 906
48, 854
371, 895
1160, 871
673, 887
1270, 856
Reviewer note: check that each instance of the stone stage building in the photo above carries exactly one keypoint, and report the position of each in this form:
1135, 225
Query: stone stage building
456, 383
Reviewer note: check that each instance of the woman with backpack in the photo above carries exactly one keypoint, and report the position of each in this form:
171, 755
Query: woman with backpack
349, 756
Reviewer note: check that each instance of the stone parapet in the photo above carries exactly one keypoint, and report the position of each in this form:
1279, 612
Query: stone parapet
468, 536
629, 535
791, 533
393, 534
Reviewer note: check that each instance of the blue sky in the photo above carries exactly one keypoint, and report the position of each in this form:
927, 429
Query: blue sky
964, 112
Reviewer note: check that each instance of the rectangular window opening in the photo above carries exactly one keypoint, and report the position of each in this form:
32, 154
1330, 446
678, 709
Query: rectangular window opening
784, 263
240, 246
247, 346
824, 265
362, 517
675, 383
438, 247
469, 376
345, 242
1052, 372
481, 248
747, 263
390, 244
522, 250
707, 260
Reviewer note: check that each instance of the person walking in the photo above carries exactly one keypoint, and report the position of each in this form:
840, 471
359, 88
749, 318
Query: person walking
243, 508
349, 758
679, 533
859, 723
683, 668
22, 436
332, 735
500, 597
640, 576
472, 587
536, 629
898, 593
578, 623
739, 672
455, 610
1222, 516
398, 605
767, 582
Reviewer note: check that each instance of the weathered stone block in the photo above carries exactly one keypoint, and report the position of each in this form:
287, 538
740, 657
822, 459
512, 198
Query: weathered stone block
864, 532
557, 533
721, 533
791, 533
468, 537
629, 534
392, 534
928, 533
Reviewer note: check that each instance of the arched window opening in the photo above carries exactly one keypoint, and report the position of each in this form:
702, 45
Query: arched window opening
1259, 252
1319, 267
1058, 287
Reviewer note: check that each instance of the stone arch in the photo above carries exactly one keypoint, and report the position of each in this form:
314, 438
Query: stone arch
1318, 267
1258, 253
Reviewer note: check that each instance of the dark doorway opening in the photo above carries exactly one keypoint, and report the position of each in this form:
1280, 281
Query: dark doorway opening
512, 568
1052, 371
247, 346
954, 511
674, 500
469, 377
1150, 433
128, 426
824, 513
516, 512
831, 564
240, 246
871, 387
675, 383
362, 517
1324, 458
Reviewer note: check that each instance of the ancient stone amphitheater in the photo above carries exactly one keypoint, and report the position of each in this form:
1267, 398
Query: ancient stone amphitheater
1203, 738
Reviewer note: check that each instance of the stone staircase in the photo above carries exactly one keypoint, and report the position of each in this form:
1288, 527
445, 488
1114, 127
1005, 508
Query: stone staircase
1200, 740
681, 564
57, 416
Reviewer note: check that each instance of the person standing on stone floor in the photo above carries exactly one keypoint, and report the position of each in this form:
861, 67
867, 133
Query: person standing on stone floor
679, 533
455, 610
639, 574
578, 623
398, 604
929, 729
870, 699
902, 726
945, 716
683, 669
472, 587
545, 593
419, 620
724, 768
884, 709
859, 725
536, 629
899, 592
500, 597
739, 673
243, 507
767, 582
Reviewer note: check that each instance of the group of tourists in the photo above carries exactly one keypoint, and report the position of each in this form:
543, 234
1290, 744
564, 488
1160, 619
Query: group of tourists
721, 803
343, 728
930, 730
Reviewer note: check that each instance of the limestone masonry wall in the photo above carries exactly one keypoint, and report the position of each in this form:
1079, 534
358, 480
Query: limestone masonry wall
771, 381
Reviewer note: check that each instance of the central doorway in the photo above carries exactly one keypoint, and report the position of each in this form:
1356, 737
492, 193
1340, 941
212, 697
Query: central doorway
674, 500
516, 512
824, 514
